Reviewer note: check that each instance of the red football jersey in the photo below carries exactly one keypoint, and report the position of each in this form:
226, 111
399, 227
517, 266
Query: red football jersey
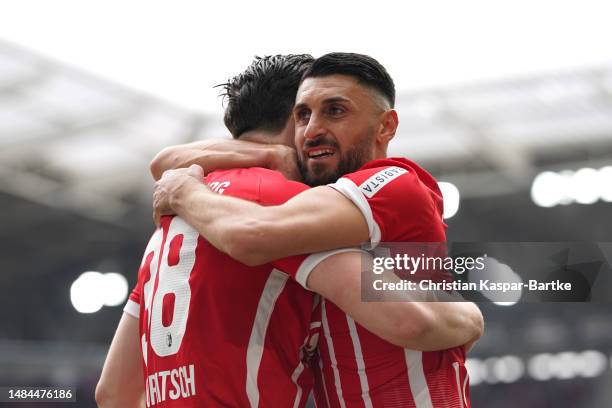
401, 203
214, 331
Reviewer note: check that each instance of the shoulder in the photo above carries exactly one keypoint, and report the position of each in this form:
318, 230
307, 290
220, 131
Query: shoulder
396, 196
393, 177
249, 172
268, 187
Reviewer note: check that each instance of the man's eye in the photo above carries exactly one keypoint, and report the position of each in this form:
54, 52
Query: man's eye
335, 110
303, 115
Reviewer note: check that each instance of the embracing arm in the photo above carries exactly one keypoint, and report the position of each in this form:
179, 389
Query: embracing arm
315, 220
426, 326
217, 154
121, 381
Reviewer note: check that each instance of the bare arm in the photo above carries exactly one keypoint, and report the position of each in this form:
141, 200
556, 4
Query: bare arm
426, 326
317, 219
121, 381
217, 154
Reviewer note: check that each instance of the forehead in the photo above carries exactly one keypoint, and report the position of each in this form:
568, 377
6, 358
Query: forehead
316, 90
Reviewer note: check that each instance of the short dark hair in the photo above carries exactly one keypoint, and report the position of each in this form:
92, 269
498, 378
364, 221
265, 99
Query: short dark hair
364, 68
262, 97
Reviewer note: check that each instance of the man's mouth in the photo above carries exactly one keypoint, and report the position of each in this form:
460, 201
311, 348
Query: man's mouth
320, 153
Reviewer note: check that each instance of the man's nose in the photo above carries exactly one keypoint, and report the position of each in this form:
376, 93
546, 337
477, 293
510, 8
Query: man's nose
315, 129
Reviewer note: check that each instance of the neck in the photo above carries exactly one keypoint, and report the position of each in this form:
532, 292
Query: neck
380, 152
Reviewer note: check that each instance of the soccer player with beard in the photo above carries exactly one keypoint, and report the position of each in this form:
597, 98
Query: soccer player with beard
225, 338
344, 121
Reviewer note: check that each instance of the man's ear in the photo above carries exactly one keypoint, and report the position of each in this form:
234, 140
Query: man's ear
388, 126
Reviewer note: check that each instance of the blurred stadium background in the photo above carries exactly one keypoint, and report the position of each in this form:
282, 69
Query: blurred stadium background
529, 157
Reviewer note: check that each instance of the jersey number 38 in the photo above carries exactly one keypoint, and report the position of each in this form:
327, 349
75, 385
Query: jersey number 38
167, 303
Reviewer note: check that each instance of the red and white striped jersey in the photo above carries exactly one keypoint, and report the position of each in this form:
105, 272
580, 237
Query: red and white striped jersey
401, 203
215, 332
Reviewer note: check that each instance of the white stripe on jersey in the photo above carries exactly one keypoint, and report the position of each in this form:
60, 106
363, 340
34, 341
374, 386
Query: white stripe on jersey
323, 382
463, 396
416, 377
353, 193
363, 378
294, 377
273, 288
332, 354
458, 378
300, 368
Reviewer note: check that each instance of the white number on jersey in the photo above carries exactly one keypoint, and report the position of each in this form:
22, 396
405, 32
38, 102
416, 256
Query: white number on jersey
172, 287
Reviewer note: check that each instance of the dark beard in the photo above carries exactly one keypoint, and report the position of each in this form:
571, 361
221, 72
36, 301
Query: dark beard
349, 162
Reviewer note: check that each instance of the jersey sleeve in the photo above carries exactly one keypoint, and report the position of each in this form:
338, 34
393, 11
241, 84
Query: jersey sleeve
299, 267
132, 307
395, 203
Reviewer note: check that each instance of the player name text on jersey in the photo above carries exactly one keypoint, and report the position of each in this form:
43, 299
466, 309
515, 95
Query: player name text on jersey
170, 384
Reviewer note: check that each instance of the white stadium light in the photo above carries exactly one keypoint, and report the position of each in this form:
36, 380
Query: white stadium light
115, 289
498, 272
86, 294
476, 370
505, 369
540, 367
92, 290
508, 369
593, 363
566, 187
451, 196
605, 183
547, 189
489, 365
565, 365
583, 186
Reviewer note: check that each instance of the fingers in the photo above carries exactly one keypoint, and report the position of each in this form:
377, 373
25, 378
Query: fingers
159, 210
156, 214
160, 203
156, 218
167, 186
196, 171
